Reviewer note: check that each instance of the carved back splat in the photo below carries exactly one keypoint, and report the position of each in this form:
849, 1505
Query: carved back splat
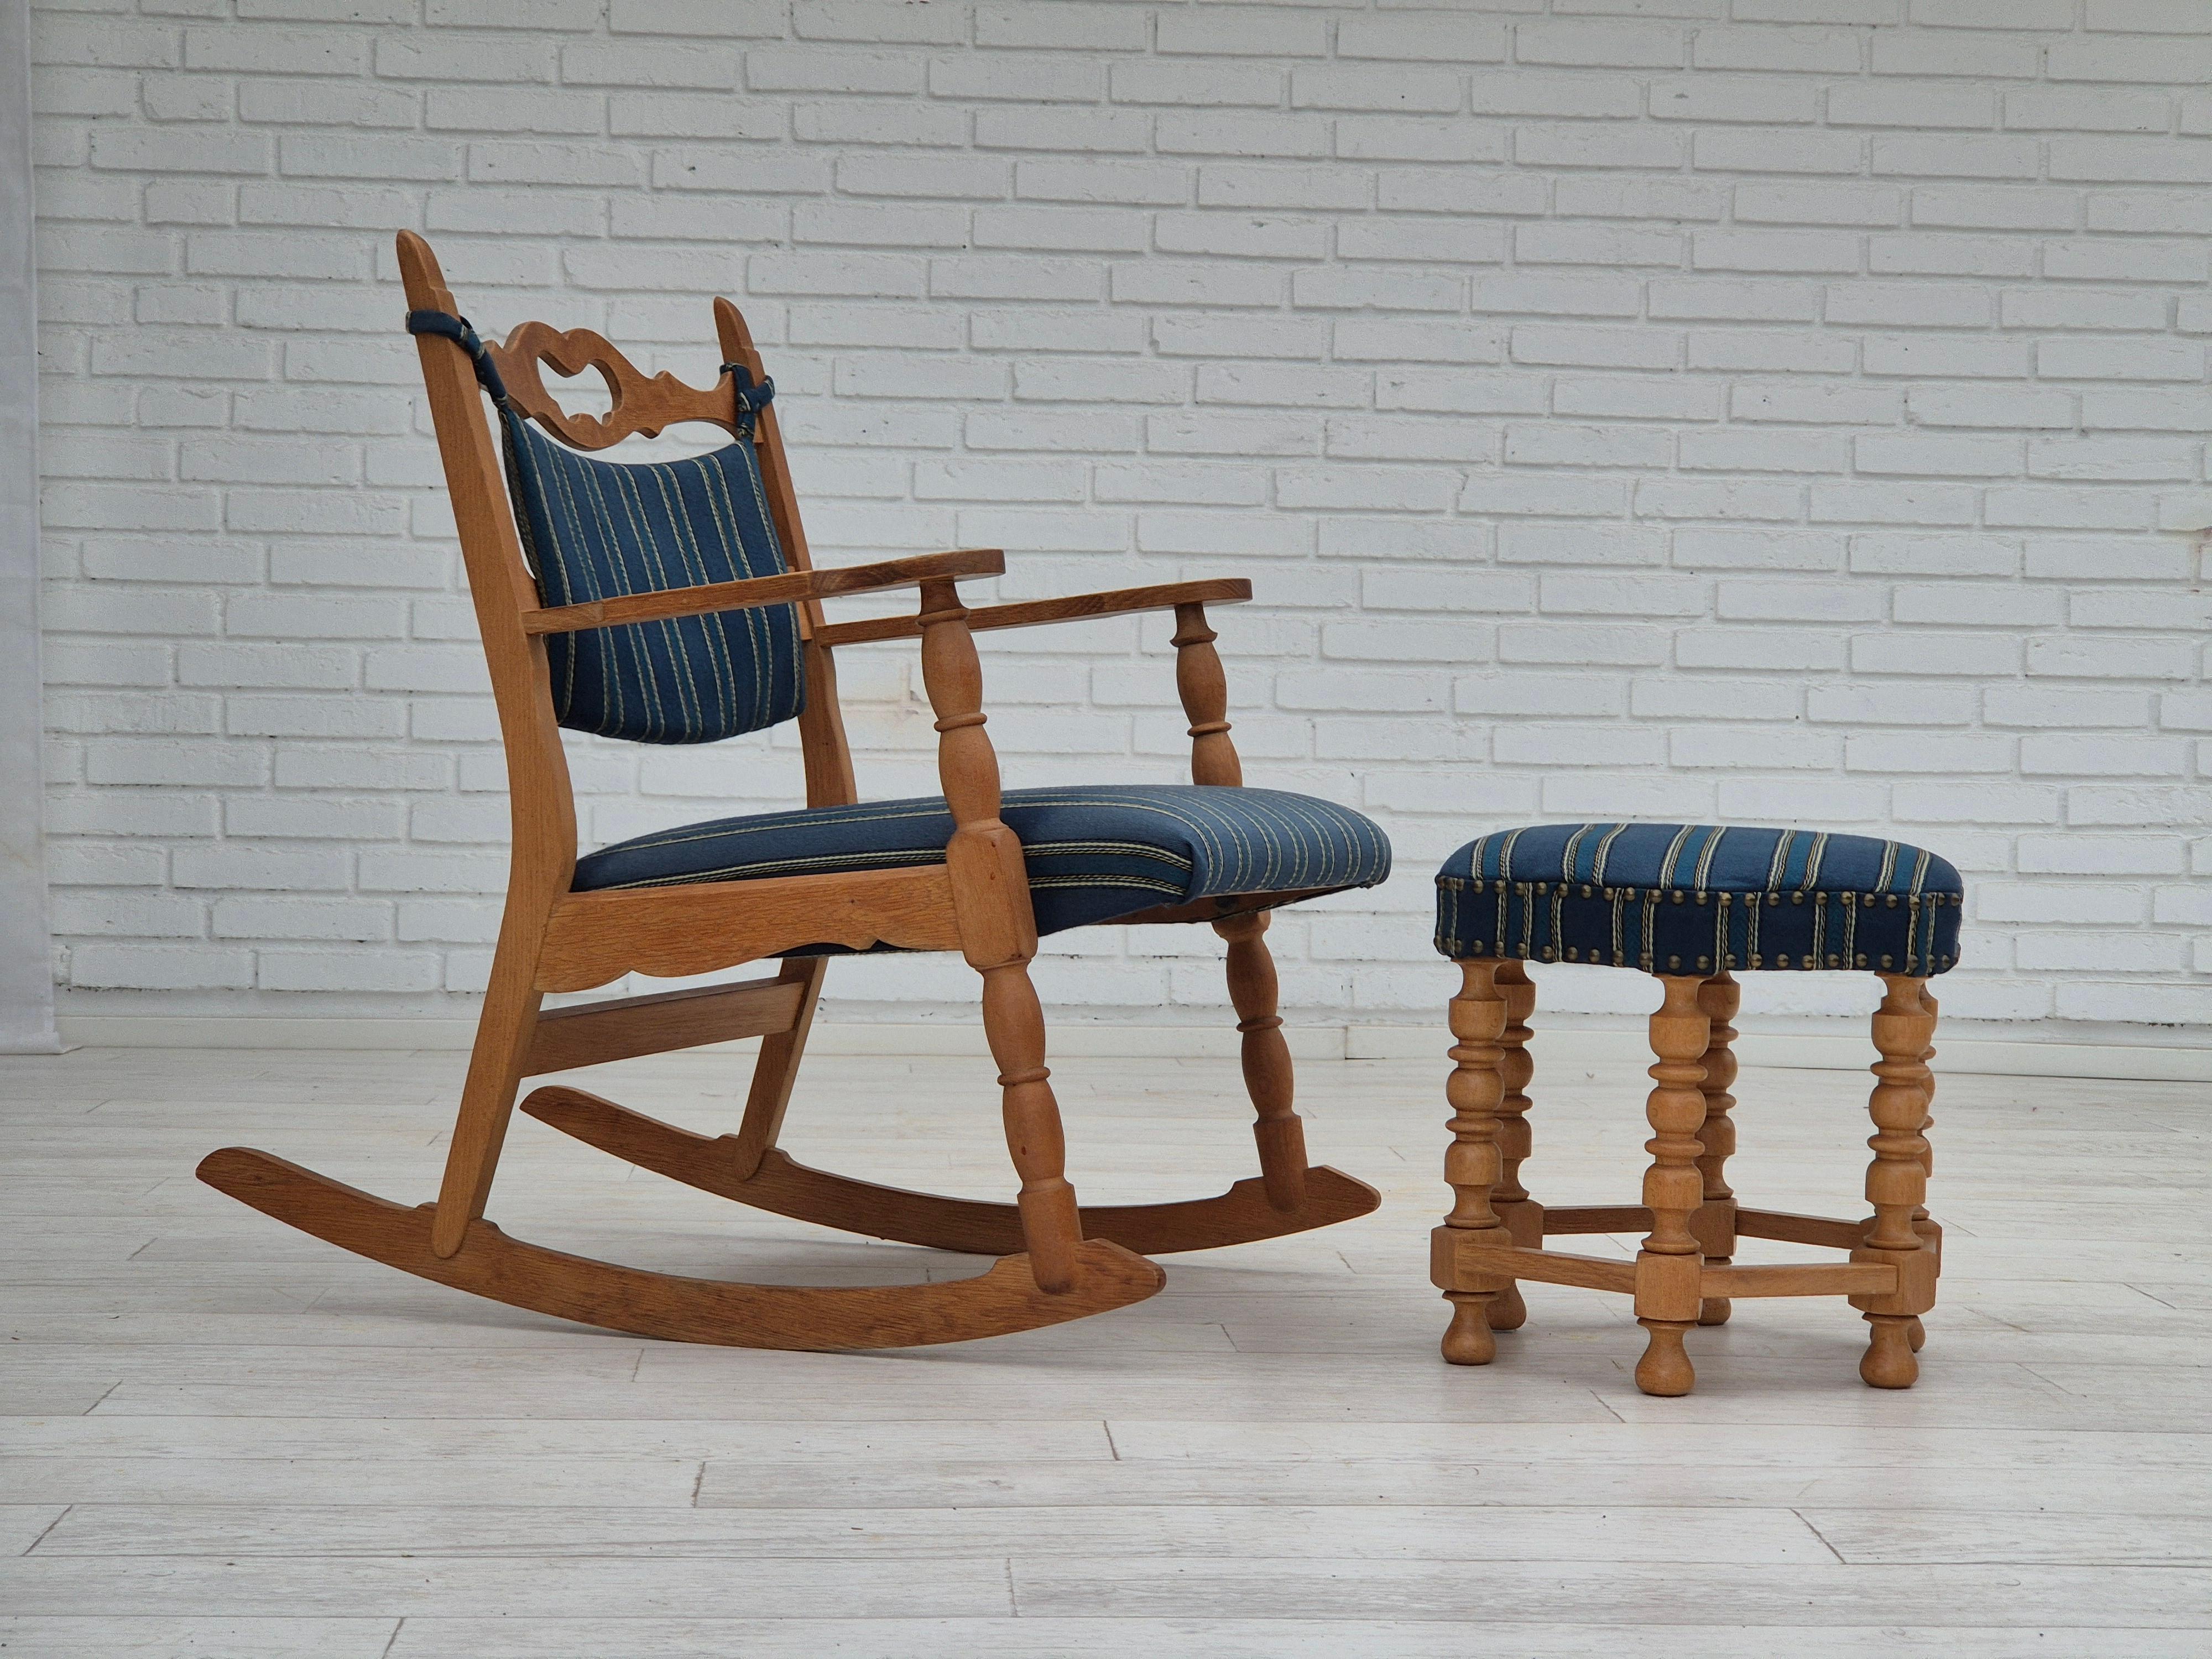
641, 406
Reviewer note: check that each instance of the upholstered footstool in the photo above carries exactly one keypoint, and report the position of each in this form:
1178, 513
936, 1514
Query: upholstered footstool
1691, 905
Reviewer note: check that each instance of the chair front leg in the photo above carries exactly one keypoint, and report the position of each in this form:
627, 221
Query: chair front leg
1268, 1078
998, 936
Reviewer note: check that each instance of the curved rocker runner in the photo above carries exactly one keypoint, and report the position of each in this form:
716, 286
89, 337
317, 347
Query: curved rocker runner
788, 1188
490, 1264
675, 602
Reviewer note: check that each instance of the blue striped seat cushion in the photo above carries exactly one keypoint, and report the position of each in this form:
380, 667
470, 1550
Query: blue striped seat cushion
1696, 898
593, 529
1094, 852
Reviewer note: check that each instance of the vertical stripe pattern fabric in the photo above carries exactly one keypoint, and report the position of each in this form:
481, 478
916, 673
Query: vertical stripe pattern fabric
1697, 898
595, 529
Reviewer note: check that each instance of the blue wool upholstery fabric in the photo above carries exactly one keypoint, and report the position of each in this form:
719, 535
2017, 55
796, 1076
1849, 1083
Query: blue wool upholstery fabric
1696, 898
1095, 853
593, 529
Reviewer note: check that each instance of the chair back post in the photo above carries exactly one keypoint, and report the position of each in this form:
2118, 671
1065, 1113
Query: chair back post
826, 754
542, 809
541, 859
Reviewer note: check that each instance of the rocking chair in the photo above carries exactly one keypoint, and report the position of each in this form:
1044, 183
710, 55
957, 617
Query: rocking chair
675, 603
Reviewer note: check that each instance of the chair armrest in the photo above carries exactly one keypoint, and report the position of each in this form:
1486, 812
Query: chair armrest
1032, 613
786, 589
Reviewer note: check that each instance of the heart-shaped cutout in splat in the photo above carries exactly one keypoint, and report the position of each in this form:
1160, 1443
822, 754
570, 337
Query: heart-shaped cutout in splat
640, 404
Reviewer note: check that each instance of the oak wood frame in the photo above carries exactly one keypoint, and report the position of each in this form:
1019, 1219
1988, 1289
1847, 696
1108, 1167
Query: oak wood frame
553, 939
1684, 1275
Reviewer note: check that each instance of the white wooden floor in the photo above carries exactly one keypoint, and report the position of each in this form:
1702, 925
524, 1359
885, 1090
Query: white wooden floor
222, 1438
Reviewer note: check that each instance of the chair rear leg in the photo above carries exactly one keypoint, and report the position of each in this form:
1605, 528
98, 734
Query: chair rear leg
1268, 1076
777, 1069
503, 1034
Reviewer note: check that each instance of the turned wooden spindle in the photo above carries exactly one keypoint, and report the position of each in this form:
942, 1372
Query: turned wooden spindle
1931, 1233
1715, 1223
1522, 1216
1472, 1163
1897, 1181
1268, 1076
1667, 1268
1204, 688
997, 935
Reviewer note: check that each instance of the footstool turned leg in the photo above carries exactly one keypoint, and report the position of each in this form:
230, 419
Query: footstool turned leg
1931, 1234
1716, 1219
1523, 1219
1472, 1163
1667, 1268
1896, 1182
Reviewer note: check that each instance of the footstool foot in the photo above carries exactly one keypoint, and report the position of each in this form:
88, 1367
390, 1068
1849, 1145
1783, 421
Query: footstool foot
1916, 1333
1468, 1340
1715, 1310
1509, 1312
1665, 1368
1889, 1361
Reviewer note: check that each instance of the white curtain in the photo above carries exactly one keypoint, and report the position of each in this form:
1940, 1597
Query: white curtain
27, 986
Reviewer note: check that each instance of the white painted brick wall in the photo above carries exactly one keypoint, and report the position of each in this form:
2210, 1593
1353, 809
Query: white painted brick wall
1785, 409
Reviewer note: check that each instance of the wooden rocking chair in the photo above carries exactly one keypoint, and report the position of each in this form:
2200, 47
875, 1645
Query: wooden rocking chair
675, 602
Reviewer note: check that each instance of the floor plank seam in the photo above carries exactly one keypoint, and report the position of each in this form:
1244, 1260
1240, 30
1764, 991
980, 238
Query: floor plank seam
47, 1530
2059, 1389
1823, 1537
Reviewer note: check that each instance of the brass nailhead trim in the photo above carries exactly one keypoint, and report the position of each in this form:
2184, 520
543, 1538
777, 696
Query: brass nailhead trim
1681, 896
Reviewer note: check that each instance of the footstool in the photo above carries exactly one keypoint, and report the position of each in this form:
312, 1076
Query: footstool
1690, 904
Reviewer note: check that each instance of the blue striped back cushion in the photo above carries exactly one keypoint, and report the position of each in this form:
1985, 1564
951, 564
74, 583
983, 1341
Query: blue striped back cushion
594, 529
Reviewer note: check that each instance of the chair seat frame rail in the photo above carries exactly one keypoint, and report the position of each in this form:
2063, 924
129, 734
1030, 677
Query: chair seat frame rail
1057, 1261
